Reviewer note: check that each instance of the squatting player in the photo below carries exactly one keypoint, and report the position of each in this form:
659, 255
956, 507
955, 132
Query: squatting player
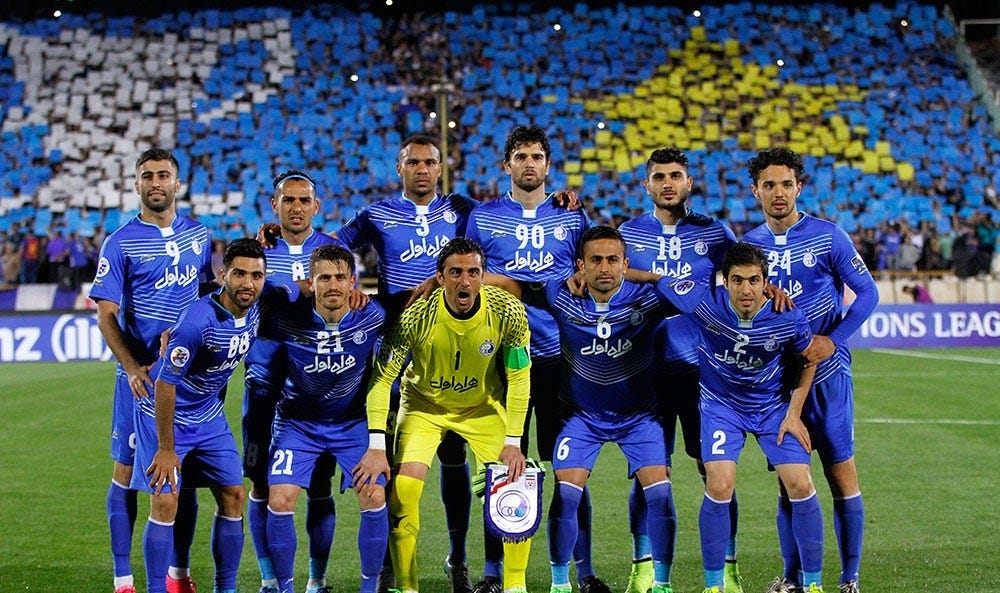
812, 260
458, 339
295, 203
676, 242
606, 340
184, 422
147, 273
327, 354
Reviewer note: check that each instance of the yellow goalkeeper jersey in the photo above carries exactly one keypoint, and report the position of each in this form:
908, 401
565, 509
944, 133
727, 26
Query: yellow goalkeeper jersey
456, 363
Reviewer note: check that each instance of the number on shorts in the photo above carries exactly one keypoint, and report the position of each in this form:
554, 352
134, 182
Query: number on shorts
562, 451
282, 457
720, 440
250, 455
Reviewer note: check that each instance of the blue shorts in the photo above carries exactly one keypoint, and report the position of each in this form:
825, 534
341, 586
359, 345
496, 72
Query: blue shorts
677, 400
640, 438
724, 432
123, 421
207, 452
829, 415
299, 446
258, 415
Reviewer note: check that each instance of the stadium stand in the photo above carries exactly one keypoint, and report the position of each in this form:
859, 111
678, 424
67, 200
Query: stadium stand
897, 143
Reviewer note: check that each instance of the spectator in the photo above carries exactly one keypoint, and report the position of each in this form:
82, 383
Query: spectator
31, 258
919, 293
908, 254
11, 263
932, 257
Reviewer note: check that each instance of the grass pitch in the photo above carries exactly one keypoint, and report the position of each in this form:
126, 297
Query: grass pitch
928, 438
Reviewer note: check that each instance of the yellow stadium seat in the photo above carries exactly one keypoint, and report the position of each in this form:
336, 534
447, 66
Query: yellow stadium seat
762, 140
904, 171
602, 137
571, 167
549, 98
886, 164
882, 148
698, 33
869, 162
732, 47
575, 181
854, 150
590, 167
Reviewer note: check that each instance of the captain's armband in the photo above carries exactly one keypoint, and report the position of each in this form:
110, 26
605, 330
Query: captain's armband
516, 359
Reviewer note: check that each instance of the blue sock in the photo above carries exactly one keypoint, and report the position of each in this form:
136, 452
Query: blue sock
560, 573
373, 537
321, 523
562, 523
456, 494
849, 525
786, 541
257, 525
227, 548
157, 541
637, 523
713, 524
184, 525
734, 520
662, 528
493, 549
581, 551
807, 523
281, 545
121, 508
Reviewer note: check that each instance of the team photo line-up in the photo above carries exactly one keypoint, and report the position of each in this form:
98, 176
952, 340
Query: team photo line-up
484, 313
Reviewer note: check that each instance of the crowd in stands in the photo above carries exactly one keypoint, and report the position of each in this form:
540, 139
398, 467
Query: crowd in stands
899, 150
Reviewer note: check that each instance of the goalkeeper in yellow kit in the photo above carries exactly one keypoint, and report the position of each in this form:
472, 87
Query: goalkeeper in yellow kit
458, 338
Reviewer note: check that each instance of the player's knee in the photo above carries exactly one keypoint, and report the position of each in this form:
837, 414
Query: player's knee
230, 500
283, 501
798, 484
163, 506
371, 497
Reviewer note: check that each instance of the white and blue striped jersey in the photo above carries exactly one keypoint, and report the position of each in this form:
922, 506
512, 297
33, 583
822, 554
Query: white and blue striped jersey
744, 364
153, 274
407, 237
206, 345
286, 265
812, 262
532, 246
608, 348
692, 249
327, 365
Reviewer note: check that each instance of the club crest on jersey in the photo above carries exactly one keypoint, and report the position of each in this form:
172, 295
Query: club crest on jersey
700, 247
196, 246
179, 356
359, 337
450, 217
683, 287
635, 318
559, 232
771, 344
809, 259
103, 267
487, 348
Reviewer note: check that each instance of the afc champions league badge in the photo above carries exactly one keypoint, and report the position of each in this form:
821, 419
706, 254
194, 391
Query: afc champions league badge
513, 509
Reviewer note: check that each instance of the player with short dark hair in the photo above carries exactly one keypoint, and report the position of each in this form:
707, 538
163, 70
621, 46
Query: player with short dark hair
184, 420
148, 272
813, 260
750, 358
327, 351
458, 339
295, 203
526, 236
673, 241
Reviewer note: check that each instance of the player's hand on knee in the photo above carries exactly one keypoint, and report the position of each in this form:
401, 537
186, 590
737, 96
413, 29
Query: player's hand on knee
373, 463
164, 470
795, 427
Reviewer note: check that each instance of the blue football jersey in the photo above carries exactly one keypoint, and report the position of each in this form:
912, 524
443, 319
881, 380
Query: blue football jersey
206, 345
153, 274
812, 262
535, 246
608, 348
327, 365
692, 249
743, 363
407, 237
286, 265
